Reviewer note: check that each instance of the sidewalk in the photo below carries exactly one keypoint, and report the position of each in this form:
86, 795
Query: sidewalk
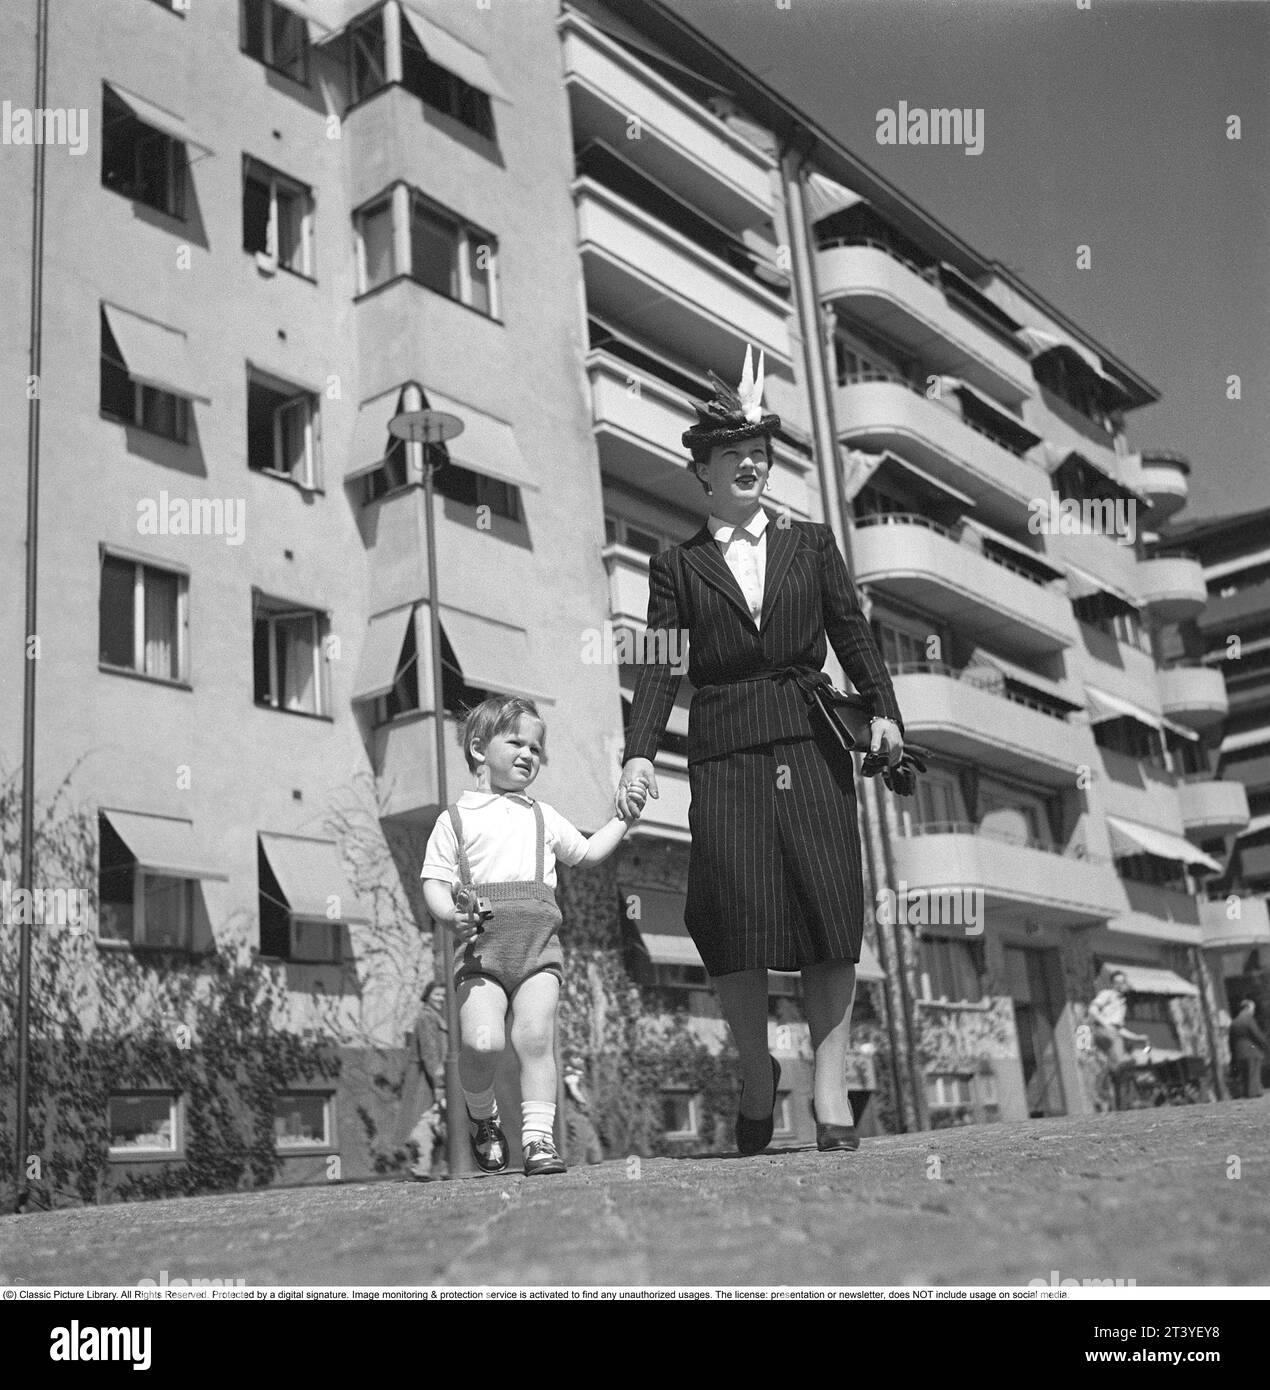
1148, 1196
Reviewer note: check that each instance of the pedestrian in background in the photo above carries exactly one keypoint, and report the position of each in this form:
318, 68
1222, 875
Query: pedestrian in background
583, 1137
1247, 1050
1107, 1012
422, 1084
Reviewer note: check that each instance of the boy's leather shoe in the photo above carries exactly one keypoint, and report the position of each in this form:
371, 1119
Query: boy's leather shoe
541, 1156
753, 1136
489, 1144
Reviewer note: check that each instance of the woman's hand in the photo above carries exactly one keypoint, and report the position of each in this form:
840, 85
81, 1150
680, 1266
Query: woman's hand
635, 770
886, 731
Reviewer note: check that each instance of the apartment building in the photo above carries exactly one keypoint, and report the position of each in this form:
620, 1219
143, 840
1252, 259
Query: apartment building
549, 220
1229, 641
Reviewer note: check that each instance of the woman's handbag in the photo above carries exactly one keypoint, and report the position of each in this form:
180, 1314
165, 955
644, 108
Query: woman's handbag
847, 719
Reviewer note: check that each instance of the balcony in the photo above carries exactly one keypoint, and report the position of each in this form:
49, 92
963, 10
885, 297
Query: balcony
639, 420
879, 414
889, 294
927, 565
666, 814
1229, 613
1193, 695
648, 275
1240, 924
1212, 808
965, 718
1162, 476
680, 144
1158, 914
628, 585
1172, 587
404, 758
1021, 880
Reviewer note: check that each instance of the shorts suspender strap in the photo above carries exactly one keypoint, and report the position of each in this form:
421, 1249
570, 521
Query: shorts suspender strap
540, 861
465, 869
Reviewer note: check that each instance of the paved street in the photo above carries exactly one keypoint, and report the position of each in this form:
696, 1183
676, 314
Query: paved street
1147, 1196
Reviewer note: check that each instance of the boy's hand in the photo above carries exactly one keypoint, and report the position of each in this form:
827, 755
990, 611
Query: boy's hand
466, 922
636, 798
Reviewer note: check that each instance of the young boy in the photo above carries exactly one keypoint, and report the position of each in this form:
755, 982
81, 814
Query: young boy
501, 844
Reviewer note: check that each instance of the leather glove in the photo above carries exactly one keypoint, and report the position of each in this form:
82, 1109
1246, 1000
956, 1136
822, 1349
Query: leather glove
902, 778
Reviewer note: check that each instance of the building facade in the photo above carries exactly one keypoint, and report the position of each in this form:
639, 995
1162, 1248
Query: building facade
294, 221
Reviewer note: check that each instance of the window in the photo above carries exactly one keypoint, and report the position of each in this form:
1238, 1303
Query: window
146, 407
447, 255
680, 1118
457, 695
441, 89
476, 490
144, 1122
1072, 381
275, 36
403, 698
950, 970
367, 57
951, 1098
140, 162
142, 619
283, 428
284, 936
137, 907
649, 541
903, 650
936, 803
1113, 616
1150, 869
376, 257
289, 669
1150, 1014
1131, 738
302, 1120
277, 218
1013, 815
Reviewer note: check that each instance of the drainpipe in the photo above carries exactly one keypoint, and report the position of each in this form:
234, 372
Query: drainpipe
829, 473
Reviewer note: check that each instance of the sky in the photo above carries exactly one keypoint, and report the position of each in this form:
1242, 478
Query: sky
1104, 126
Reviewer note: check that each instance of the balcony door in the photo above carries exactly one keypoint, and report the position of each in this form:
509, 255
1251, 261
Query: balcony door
1032, 977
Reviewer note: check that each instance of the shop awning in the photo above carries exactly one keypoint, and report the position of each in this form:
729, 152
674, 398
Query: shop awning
1007, 423
491, 655
371, 439
381, 653
487, 445
1146, 979
1129, 837
158, 118
1104, 706
453, 54
825, 196
163, 844
1042, 340
154, 354
311, 876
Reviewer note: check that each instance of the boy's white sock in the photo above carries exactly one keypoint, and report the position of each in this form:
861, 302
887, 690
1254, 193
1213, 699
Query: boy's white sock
538, 1122
481, 1105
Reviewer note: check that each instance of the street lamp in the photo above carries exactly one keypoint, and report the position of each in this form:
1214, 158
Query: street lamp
422, 430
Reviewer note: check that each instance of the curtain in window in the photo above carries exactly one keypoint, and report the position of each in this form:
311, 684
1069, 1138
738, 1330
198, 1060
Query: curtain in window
293, 420
162, 593
377, 244
296, 639
165, 910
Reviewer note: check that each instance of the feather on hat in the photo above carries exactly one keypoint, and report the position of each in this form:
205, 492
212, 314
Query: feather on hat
732, 412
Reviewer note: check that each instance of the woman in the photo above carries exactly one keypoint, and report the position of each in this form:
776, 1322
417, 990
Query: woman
774, 877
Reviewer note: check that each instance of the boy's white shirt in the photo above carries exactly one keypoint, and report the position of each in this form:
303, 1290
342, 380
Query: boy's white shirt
500, 835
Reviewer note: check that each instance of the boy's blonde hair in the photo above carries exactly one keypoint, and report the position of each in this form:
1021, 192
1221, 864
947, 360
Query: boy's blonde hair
495, 716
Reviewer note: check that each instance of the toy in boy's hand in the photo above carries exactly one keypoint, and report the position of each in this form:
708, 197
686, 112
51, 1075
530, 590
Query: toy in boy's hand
475, 908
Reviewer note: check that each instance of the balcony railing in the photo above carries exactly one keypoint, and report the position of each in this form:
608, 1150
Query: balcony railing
949, 533
930, 274
965, 827
877, 374
980, 679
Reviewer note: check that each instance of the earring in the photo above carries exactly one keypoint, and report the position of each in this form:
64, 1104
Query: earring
709, 490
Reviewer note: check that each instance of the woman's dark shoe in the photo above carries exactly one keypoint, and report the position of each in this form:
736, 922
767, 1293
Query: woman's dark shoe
831, 1137
753, 1136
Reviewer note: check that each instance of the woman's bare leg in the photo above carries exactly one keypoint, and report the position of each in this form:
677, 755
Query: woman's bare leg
828, 997
743, 999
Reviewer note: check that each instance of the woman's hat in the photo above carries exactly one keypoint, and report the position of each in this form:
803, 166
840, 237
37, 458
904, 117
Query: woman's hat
731, 414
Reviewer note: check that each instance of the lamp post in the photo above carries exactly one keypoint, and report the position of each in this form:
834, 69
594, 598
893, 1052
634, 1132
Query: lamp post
422, 430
